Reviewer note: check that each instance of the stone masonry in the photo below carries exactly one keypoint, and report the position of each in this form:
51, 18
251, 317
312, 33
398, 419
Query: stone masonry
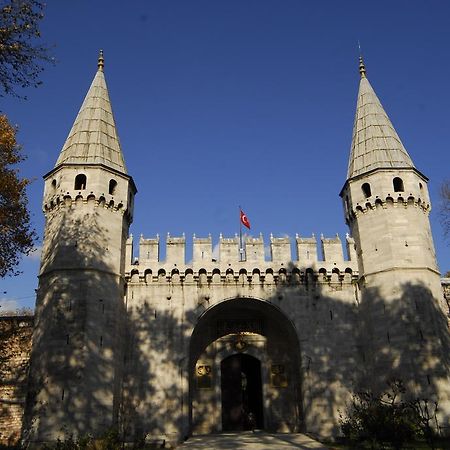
166, 348
15, 347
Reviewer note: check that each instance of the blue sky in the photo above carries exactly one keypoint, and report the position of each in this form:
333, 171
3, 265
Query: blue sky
238, 102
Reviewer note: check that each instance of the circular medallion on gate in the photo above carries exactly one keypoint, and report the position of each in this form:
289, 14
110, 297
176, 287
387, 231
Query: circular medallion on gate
240, 345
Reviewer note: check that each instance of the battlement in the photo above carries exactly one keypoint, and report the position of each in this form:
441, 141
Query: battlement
373, 203
227, 255
67, 200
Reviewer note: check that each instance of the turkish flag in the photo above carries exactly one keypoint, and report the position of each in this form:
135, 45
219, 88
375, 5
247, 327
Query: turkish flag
244, 220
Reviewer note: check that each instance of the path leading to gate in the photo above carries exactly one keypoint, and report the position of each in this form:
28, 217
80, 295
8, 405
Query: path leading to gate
252, 441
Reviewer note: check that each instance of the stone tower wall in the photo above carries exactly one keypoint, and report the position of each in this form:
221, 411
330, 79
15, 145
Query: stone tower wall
403, 308
77, 353
15, 347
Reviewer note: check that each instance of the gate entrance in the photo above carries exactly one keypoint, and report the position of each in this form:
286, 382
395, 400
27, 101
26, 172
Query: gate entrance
244, 365
242, 406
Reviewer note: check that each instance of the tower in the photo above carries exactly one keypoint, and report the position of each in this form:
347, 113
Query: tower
387, 208
76, 360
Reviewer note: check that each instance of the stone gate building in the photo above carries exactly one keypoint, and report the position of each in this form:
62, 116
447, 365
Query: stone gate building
171, 348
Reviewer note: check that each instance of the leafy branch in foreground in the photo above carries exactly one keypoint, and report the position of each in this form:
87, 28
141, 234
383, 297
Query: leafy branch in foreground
21, 55
16, 235
445, 207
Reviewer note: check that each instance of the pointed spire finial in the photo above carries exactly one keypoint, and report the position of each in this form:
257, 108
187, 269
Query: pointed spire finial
362, 67
101, 61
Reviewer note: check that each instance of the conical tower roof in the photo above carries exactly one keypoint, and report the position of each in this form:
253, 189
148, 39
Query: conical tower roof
375, 142
93, 138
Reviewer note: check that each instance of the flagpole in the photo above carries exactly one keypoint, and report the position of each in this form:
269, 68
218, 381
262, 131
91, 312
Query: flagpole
241, 247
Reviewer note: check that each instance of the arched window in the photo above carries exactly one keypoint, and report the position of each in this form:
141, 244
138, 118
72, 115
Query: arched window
54, 184
366, 190
112, 187
80, 182
398, 184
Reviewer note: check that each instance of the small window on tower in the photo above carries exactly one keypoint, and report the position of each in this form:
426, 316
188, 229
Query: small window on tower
366, 190
80, 182
54, 185
398, 185
112, 187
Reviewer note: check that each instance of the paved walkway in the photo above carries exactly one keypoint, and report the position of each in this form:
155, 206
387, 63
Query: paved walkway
251, 441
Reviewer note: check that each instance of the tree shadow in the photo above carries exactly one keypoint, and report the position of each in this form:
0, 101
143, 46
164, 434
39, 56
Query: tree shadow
77, 351
108, 355
15, 342
349, 338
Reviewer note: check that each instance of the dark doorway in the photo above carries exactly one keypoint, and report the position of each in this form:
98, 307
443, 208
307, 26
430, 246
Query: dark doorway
242, 406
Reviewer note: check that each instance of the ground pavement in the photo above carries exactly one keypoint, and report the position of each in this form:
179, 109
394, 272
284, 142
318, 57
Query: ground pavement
252, 441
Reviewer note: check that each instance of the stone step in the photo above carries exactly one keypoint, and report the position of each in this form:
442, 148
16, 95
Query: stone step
252, 441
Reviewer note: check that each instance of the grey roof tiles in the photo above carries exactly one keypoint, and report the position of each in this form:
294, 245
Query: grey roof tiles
93, 138
375, 142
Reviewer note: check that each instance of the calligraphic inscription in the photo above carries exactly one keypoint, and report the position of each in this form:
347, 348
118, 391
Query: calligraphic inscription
229, 326
204, 376
278, 375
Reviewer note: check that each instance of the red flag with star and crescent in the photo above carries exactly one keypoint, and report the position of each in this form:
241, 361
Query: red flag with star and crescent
244, 220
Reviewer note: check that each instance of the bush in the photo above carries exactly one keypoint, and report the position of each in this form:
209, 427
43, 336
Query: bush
108, 441
377, 421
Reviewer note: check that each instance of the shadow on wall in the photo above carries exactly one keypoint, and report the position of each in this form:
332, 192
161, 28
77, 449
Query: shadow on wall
77, 352
345, 346
15, 345
91, 367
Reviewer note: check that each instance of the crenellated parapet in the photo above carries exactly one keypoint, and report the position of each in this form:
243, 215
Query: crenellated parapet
383, 189
225, 262
58, 201
400, 201
76, 185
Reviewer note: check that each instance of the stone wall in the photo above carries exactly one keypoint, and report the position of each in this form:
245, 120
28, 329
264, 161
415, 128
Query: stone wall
15, 347
446, 289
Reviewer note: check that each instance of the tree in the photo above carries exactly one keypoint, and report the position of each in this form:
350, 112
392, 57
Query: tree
376, 420
21, 55
16, 235
21, 62
445, 207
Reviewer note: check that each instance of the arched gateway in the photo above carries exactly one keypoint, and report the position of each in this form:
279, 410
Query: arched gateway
244, 369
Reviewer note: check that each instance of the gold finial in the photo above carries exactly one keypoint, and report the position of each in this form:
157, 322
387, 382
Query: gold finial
101, 61
362, 67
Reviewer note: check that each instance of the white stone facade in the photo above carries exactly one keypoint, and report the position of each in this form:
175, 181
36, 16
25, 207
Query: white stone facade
169, 348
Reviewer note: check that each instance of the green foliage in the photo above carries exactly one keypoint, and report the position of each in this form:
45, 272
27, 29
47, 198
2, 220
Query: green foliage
387, 420
82, 443
108, 441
